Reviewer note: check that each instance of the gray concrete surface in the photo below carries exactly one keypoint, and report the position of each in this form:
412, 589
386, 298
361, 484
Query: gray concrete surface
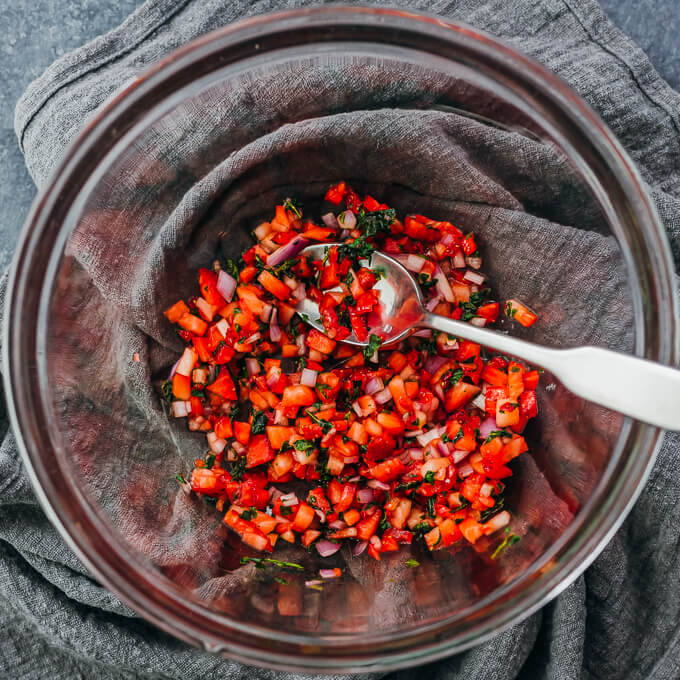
36, 32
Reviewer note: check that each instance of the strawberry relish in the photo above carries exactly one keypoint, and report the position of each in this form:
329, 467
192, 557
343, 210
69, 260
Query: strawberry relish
315, 441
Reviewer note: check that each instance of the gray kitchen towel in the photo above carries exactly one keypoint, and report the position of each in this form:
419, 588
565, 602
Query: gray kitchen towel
620, 620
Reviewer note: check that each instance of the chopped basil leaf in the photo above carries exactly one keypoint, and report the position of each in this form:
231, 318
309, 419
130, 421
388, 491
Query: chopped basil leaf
411, 563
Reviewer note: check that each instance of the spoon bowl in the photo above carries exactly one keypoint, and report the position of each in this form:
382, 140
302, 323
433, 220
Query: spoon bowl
401, 309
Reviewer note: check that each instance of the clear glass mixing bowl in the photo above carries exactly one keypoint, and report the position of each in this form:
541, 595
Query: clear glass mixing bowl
178, 168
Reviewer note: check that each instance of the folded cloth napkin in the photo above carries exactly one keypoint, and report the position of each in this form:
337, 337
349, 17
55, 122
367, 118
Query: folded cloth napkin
618, 620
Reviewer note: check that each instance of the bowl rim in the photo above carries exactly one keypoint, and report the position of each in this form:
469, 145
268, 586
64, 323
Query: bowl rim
141, 588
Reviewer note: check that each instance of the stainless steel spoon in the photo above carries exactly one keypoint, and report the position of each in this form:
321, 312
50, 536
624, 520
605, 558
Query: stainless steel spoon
642, 389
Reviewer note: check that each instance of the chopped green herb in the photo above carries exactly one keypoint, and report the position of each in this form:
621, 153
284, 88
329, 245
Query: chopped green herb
384, 522
259, 423
374, 342
231, 268
421, 528
324, 424
429, 477
250, 513
428, 345
430, 506
304, 445
515, 369
425, 281
323, 389
197, 392
271, 560
358, 249
166, 391
280, 580
289, 205
371, 223
238, 467
210, 461
411, 563
511, 539
510, 310
180, 478
497, 433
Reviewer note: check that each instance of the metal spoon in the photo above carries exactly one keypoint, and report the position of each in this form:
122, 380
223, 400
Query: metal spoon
642, 389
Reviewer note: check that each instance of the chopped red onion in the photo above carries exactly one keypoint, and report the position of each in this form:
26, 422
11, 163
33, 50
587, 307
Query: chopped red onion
423, 333
266, 312
502, 519
279, 418
479, 401
344, 234
357, 409
347, 220
337, 524
439, 391
351, 459
425, 438
478, 321
431, 304
465, 470
329, 573
474, 262
226, 285
326, 548
375, 542
289, 500
290, 282
365, 496
459, 455
274, 330
485, 490
374, 385
253, 338
354, 480
377, 484
300, 293
253, 366
443, 286
434, 363
359, 548
415, 263
314, 582
180, 409
262, 230
330, 220
284, 253
321, 515
222, 326
215, 443
413, 433
300, 342
448, 239
308, 377
416, 454
274, 493
273, 376
383, 396
459, 259
487, 426
173, 370
238, 447
443, 448
474, 277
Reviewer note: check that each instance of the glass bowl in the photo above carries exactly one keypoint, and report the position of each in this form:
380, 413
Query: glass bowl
428, 115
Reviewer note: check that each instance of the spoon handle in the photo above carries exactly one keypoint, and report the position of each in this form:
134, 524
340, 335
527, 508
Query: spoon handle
642, 389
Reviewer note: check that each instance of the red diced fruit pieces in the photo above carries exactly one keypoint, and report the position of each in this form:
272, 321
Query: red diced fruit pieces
312, 440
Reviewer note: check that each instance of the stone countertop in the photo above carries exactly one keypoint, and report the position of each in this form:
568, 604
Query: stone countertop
39, 31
